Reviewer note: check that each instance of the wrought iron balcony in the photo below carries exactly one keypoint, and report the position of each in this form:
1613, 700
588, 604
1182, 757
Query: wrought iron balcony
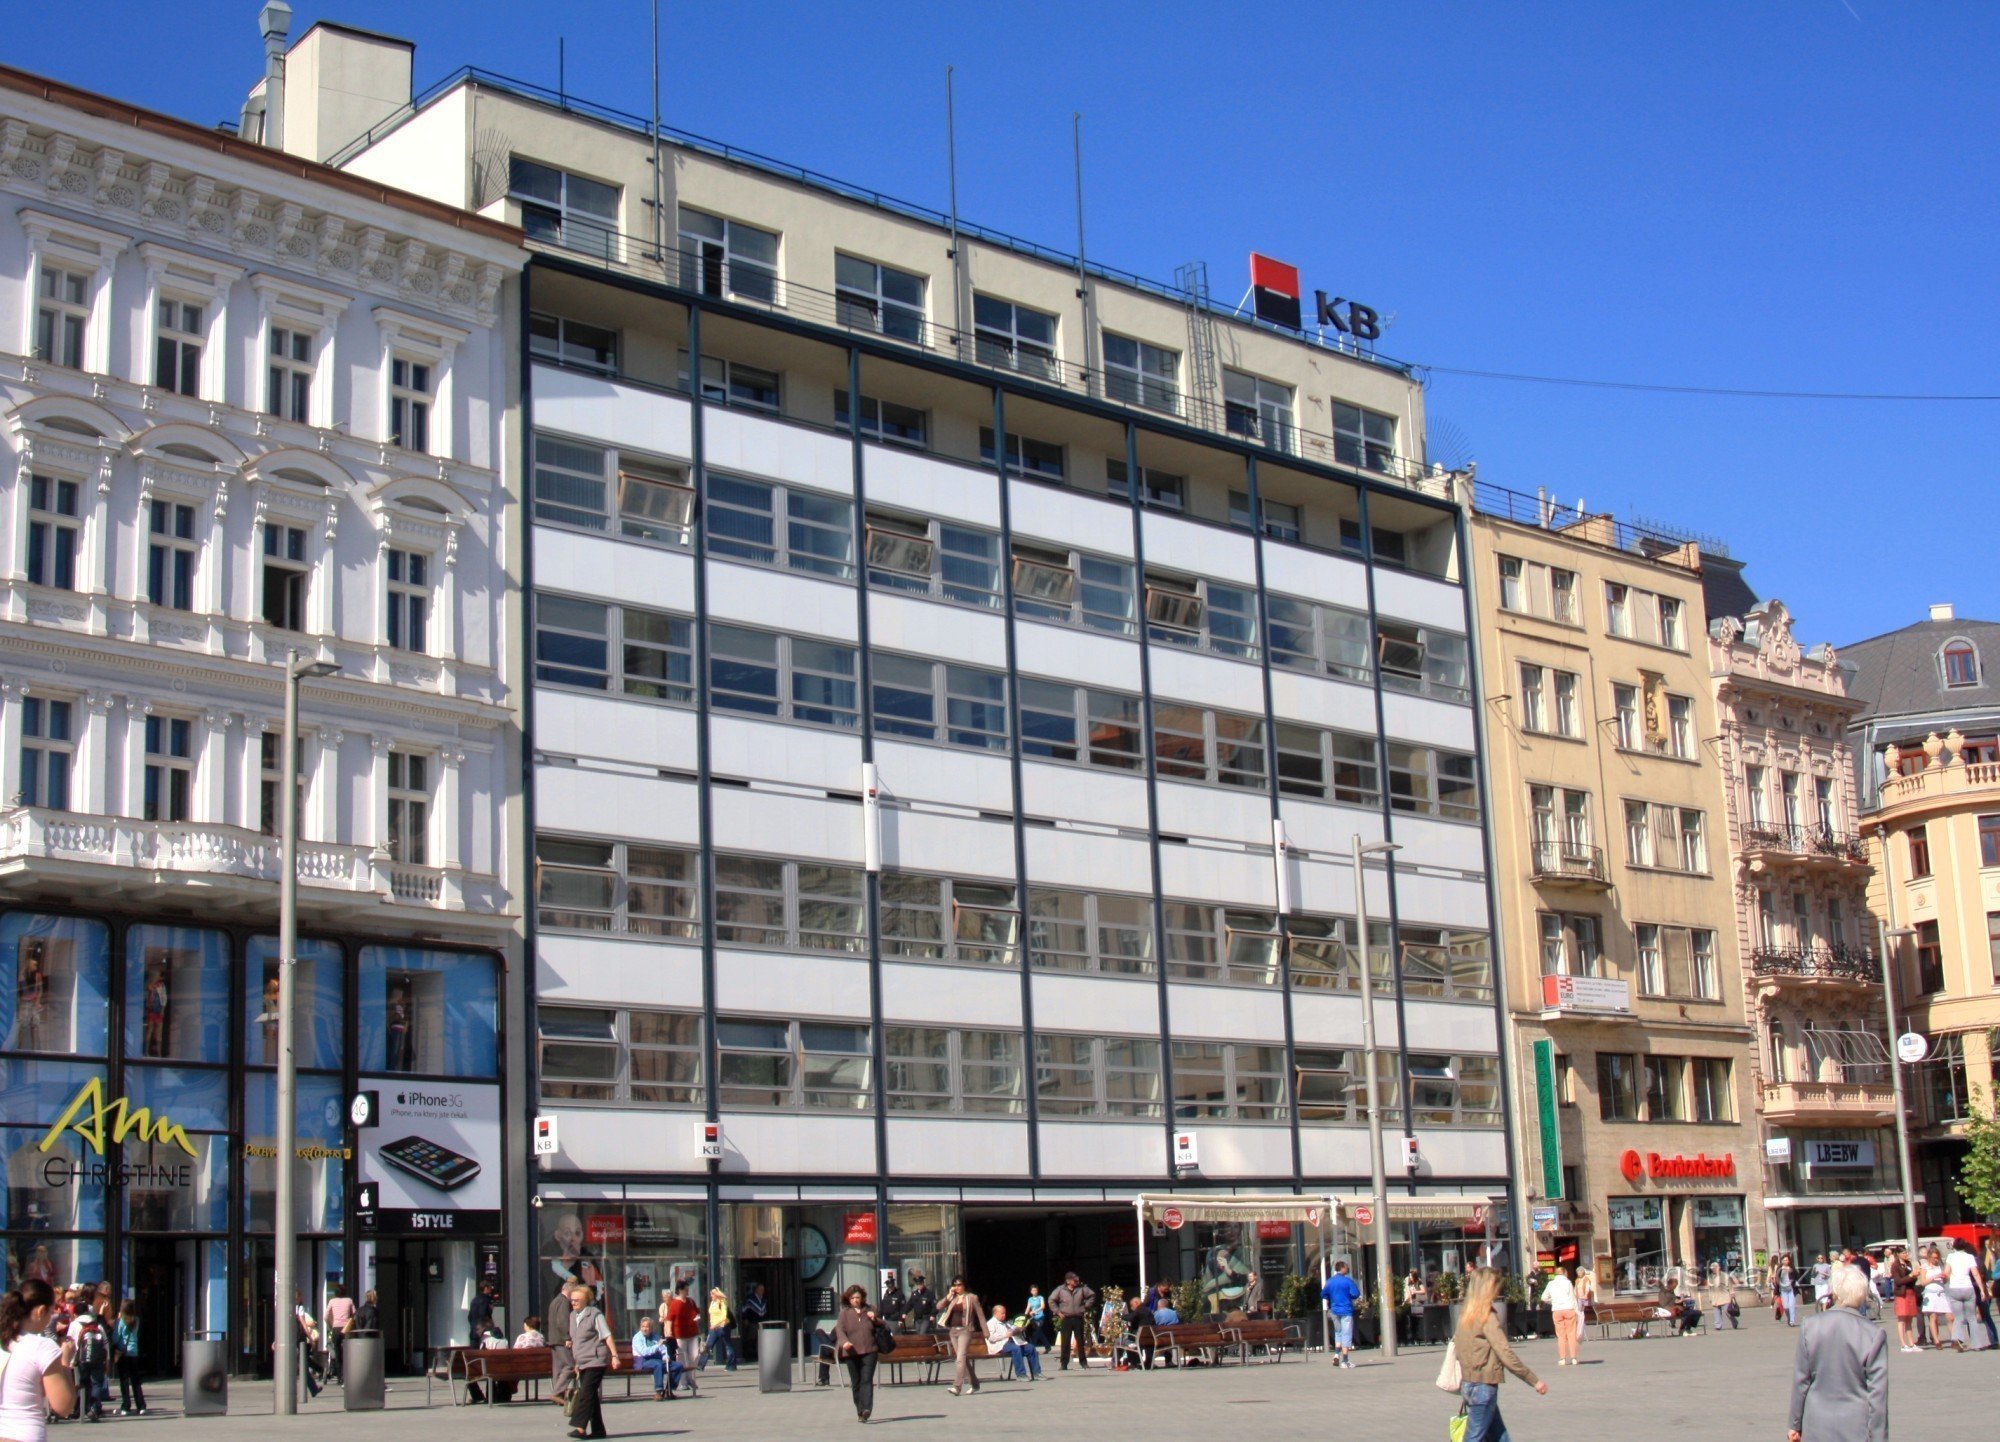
1817, 965
1807, 845
1569, 863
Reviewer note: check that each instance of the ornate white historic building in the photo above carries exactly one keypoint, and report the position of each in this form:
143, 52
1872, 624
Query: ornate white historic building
249, 407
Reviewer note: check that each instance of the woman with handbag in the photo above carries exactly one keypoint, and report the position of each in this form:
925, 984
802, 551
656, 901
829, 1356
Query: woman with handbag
857, 1339
1484, 1356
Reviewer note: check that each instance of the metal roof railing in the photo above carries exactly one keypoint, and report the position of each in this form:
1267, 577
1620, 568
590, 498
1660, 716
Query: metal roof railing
1545, 512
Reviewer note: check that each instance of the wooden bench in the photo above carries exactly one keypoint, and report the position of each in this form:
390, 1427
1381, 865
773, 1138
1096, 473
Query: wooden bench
932, 1351
1629, 1312
1274, 1337
515, 1365
1184, 1343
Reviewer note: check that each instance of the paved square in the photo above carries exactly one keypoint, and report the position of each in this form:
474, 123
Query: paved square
1729, 1386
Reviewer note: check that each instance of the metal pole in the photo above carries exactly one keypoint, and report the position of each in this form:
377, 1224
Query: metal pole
285, 1225
1385, 1312
659, 215
1896, 1073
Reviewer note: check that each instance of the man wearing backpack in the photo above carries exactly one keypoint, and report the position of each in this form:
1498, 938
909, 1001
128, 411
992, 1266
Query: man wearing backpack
93, 1364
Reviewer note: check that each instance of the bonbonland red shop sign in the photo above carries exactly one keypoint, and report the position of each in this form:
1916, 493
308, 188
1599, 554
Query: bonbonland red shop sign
1701, 1167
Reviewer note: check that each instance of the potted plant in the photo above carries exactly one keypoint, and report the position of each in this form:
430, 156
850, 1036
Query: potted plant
1367, 1321
1447, 1294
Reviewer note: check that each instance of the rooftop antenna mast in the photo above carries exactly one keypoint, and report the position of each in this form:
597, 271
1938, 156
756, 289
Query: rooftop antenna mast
659, 209
951, 172
1082, 270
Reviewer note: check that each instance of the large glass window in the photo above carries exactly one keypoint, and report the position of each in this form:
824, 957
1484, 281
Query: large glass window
1142, 375
1101, 1076
319, 1171
318, 1008
55, 974
430, 1012
771, 1062
1228, 1081
728, 258
177, 993
1090, 931
935, 1069
609, 1054
1014, 337
562, 209
879, 297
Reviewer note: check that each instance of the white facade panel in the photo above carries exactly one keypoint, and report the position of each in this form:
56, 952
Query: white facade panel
1451, 1027
1455, 1153
1091, 863
597, 408
1180, 674
824, 985
932, 1147
1221, 552
1103, 1149
906, 480
911, 771
1418, 598
931, 994
1242, 1151
644, 733
1337, 1153
782, 601
1328, 830
618, 971
947, 845
1115, 1006
1079, 793
1441, 900
1227, 813
740, 746
1226, 1013
1333, 1019
1315, 575
1434, 723
1198, 873
611, 1139
584, 802
1080, 657
937, 631
814, 1144
774, 825
601, 568
1070, 518
1319, 701
1442, 843
738, 440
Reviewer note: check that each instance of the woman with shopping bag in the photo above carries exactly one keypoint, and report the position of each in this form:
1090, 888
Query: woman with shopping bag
1482, 1354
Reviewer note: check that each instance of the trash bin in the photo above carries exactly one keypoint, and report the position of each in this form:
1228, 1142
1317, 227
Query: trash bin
204, 1374
361, 1371
774, 1357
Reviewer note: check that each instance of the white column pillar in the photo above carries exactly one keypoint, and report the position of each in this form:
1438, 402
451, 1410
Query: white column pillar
211, 769
97, 551
323, 790
444, 629
90, 781
11, 693
376, 836
323, 586
211, 570
134, 800
250, 769
446, 825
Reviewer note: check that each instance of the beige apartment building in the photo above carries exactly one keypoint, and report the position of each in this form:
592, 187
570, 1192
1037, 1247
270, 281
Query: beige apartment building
1812, 965
1626, 1004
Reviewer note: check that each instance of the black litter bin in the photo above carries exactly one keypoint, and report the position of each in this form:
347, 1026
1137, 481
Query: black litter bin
361, 1371
205, 1374
774, 1357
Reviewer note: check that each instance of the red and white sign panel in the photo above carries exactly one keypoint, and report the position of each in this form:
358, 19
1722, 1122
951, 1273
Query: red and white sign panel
1275, 288
1173, 1218
1364, 1216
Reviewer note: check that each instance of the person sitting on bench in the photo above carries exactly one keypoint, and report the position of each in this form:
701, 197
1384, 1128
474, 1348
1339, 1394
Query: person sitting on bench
1001, 1342
1128, 1349
1690, 1315
651, 1353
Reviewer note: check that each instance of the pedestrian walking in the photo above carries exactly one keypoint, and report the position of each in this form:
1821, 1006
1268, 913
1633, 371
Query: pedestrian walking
562, 1361
854, 1342
1071, 1302
1340, 1294
922, 1304
590, 1344
125, 1351
963, 1319
37, 1383
1964, 1289
1559, 1296
1484, 1357
1785, 1289
339, 1321
720, 1348
1905, 1297
1937, 1303
683, 1326
1036, 1310
1840, 1375
1822, 1283
93, 1363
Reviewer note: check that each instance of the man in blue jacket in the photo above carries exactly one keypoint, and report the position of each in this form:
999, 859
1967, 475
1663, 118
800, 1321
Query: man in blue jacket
1340, 1294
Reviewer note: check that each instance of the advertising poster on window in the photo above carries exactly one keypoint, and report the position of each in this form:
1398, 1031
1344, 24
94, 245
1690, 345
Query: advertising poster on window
434, 1156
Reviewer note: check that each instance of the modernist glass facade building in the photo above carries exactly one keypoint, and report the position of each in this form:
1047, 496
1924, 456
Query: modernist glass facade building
959, 680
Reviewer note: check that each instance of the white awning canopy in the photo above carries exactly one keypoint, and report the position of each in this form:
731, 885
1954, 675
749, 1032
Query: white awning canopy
1309, 1211
1470, 1211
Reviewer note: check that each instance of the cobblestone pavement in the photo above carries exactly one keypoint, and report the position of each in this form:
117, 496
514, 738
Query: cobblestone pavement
1731, 1386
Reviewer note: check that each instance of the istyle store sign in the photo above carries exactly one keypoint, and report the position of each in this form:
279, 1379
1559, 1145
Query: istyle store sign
433, 1157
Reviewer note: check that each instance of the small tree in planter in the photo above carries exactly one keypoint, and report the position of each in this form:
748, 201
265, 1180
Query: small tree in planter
1107, 1335
1296, 1296
1186, 1297
1367, 1321
1449, 1289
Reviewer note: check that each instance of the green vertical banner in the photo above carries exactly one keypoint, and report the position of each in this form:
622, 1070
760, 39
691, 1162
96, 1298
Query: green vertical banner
1545, 1112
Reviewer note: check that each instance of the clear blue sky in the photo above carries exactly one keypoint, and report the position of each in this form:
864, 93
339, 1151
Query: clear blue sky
1795, 196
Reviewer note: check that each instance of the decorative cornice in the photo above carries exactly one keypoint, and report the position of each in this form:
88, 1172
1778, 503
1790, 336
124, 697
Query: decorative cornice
242, 219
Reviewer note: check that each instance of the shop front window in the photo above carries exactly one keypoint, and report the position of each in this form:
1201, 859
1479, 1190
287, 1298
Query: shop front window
635, 1251
433, 1013
57, 1190
166, 1190
55, 1260
177, 993
319, 1168
55, 981
1718, 1235
317, 1008
1638, 1242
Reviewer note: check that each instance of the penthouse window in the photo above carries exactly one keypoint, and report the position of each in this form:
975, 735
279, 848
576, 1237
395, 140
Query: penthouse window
885, 421
1142, 375
1025, 456
728, 258
941, 918
1282, 520
571, 343
879, 298
731, 383
1158, 489
1259, 409
770, 1062
1363, 439
564, 209
935, 1069
936, 558
1014, 337
1097, 1076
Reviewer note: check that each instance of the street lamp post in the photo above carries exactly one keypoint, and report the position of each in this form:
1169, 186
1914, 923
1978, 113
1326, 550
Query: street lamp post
1378, 1190
1898, 935
285, 1358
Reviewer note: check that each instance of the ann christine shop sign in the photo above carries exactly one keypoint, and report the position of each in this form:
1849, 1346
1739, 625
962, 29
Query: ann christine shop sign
1701, 1167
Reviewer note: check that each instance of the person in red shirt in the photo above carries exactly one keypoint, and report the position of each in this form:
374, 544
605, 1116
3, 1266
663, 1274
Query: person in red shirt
681, 1319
